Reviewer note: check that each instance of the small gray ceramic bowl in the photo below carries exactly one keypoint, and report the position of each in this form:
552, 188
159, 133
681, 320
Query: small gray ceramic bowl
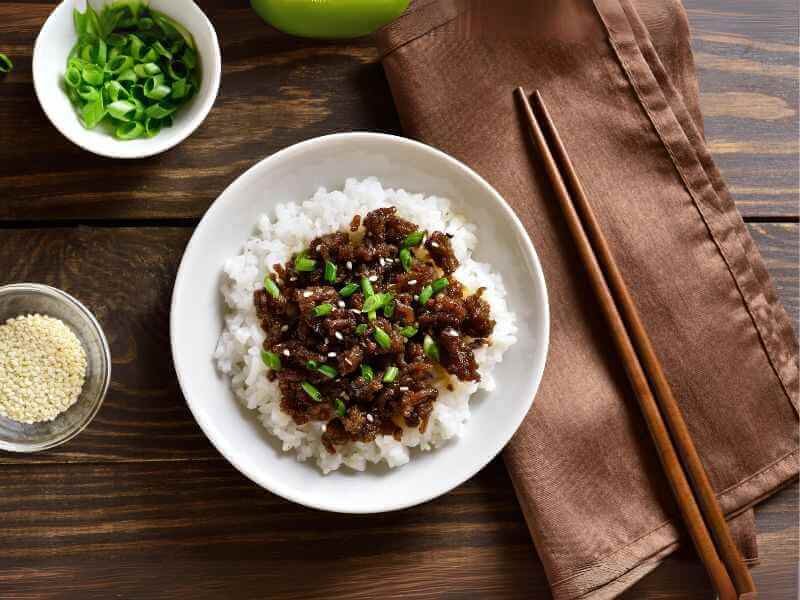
32, 298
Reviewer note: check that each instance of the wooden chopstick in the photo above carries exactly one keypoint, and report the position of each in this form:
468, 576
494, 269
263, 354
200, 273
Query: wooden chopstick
690, 511
683, 441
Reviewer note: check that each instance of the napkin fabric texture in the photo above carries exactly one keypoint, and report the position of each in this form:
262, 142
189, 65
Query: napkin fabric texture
619, 80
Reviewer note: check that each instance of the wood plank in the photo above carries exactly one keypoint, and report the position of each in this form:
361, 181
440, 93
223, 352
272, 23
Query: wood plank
200, 530
278, 90
748, 66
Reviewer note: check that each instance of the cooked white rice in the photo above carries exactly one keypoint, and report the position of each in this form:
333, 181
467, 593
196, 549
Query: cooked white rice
294, 226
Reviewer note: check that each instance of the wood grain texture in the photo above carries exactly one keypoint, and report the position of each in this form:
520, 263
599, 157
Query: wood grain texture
278, 90
748, 66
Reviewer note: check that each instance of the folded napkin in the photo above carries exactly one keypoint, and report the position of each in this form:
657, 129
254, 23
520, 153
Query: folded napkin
619, 80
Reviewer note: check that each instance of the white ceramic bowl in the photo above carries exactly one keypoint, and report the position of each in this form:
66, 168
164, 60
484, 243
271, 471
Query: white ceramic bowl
197, 319
53, 45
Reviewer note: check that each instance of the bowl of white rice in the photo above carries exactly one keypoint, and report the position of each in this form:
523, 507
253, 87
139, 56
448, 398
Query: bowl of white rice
272, 212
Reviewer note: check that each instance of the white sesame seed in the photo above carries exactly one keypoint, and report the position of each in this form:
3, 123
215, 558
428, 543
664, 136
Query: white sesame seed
292, 278
286, 352
370, 418
450, 331
339, 335
307, 294
331, 354
284, 328
324, 428
434, 244
355, 310
412, 282
326, 341
341, 304
382, 261
403, 388
373, 278
416, 297
390, 260
318, 248
349, 265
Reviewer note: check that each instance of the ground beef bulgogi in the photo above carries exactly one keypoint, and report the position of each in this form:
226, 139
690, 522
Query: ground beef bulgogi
360, 326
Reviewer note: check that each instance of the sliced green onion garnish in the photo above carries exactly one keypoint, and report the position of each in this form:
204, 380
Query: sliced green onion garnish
348, 290
425, 295
271, 287
129, 46
367, 373
272, 360
391, 374
413, 239
383, 339
377, 301
406, 258
440, 284
322, 310
6, 65
330, 271
328, 371
388, 309
409, 331
430, 348
340, 407
312, 364
312, 392
366, 286
362, 329
304, 264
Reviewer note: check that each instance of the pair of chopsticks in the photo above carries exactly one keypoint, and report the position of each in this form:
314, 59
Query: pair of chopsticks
697, 502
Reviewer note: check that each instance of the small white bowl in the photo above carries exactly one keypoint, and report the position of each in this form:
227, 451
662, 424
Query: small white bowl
294, 174
53, 45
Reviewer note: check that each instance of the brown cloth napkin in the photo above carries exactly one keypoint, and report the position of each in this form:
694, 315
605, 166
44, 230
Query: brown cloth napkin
619, 79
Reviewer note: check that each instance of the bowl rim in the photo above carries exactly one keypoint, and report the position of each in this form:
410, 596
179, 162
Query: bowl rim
153, 147
63, 296
226, 198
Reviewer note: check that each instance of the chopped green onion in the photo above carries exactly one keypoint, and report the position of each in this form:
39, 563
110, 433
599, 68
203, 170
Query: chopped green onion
348, 290
6, 65
362, 329
440, 284
271, 287
367, 373
322, 310
330, 272
328, 371
312, 364
383, 339
391, 374
366, 286
430, 348
340, 407
129, 131
409, 331
312, 392
413, 239
272, 360
304, 264
406, 258
388, 309
425, 295
373, 303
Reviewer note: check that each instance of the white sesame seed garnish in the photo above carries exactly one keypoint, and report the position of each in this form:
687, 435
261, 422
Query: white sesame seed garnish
370, 418
331, 354
434, 244
412, 282
403, 388
373, 278
416, 297
450, 331
349, 265
326, 341
355, 310
286, 352
292, 278
318, 248
341, 304
307, 294
284, 328
347, 361
324, 428
390, 260
382, 261
339, 335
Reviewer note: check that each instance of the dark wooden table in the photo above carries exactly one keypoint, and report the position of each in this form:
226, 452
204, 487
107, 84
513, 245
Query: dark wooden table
141, 505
